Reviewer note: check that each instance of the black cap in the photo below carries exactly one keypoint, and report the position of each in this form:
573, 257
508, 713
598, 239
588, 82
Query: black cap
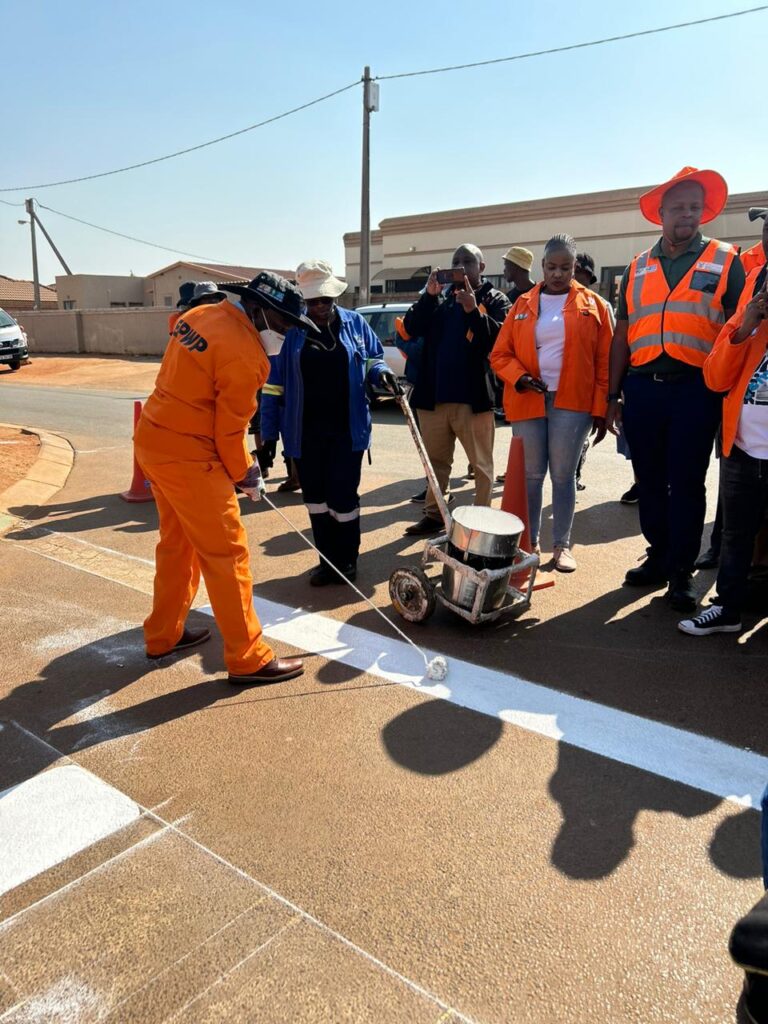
273, 292
186, 292
585, 261
757, 212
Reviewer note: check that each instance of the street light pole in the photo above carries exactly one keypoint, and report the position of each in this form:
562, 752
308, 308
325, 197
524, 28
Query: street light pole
370, 103
30, 207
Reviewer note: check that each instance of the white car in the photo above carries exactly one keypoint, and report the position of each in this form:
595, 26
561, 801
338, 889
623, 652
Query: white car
13, 341
382, 318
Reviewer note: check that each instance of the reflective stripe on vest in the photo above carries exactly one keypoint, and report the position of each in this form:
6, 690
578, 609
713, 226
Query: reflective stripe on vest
683, 322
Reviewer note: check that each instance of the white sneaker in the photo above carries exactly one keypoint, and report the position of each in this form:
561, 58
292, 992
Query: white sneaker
711, 621
564, 560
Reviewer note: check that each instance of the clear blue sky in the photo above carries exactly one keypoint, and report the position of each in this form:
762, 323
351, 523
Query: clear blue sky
89, 86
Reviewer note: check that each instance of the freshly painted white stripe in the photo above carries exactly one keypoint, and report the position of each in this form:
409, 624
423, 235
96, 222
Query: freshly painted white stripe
728, 772
54, 815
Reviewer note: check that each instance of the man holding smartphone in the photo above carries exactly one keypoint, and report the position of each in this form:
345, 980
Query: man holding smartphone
738, 364
459, 316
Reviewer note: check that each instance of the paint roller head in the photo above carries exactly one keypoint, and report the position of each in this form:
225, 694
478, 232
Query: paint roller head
437, 669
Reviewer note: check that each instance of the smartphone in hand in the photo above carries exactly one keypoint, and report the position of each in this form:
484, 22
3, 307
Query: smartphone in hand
455, 275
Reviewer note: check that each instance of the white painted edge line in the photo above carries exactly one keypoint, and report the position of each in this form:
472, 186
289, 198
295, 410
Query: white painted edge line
173, 826
734, 774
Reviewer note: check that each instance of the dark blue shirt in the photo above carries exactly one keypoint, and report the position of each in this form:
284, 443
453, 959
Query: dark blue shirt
453, 363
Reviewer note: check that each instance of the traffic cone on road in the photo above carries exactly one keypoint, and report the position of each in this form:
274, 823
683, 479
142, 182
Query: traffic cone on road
140, 489
515, 499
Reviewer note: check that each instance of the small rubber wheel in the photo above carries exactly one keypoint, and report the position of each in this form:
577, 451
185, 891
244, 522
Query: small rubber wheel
412, 594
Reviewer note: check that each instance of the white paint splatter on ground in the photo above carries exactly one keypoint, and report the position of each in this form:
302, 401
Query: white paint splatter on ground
105, 636
68, 1001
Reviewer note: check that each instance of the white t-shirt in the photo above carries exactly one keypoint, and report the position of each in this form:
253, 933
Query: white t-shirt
752, 431
550, 338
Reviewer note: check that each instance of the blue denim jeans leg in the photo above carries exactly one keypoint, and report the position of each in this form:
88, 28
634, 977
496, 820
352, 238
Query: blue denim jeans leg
553, 442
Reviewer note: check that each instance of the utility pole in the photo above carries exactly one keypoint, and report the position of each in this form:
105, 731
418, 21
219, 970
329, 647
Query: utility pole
30, 207
60, 258
370, 103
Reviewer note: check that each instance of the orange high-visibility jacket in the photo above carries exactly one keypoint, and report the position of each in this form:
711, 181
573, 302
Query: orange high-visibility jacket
730, 367
583, 383
172, 318
685, 321
205, 392
753, 258
749, 286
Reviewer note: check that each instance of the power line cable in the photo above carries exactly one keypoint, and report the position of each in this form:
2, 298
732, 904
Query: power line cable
572, 46
131, 238
6, 203
189, 149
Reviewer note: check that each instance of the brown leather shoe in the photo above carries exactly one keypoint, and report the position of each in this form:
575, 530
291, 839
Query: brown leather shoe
189, 638
275, 671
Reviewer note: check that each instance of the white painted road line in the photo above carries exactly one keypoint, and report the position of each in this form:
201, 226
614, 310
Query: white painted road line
54, 815
714, 767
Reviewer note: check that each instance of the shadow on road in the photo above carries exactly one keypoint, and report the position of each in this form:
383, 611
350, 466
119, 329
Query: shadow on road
94, 513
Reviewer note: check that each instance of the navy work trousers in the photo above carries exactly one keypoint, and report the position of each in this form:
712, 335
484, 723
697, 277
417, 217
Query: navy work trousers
670, 425
329, 472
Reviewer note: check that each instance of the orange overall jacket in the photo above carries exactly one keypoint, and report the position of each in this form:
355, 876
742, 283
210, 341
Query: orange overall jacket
753, 258
583, 383
684, 321
205, 392
730, 367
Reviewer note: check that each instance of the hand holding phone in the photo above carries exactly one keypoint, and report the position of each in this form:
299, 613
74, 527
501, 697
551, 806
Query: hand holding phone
529, 383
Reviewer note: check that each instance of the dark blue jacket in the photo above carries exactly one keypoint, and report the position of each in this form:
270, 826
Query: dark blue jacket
282, 400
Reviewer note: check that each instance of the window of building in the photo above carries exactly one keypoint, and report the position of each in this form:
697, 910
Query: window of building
409, 284
168, 300
68, 303
117, 305
135, 304
610, 279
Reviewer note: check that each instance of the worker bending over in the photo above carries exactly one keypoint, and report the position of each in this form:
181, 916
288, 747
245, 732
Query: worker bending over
190, 443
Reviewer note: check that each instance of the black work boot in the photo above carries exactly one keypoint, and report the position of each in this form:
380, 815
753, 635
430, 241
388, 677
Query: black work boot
682, 593
652, 573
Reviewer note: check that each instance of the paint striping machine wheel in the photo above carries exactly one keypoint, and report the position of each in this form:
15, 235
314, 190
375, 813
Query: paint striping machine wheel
412, 594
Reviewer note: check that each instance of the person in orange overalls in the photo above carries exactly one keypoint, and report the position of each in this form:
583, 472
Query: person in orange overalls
190, 443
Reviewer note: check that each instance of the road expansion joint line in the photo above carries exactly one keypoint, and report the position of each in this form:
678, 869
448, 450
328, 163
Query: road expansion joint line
172, 826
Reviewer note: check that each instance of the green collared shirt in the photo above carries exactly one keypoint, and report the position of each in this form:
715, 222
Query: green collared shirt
674, 269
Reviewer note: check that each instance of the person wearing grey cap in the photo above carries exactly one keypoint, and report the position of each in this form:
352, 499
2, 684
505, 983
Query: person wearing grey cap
206, 293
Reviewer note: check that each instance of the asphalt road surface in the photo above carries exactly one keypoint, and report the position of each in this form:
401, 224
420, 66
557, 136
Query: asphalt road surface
563, 830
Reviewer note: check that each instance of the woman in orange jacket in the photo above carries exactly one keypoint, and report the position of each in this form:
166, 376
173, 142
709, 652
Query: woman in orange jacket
190, 443
738, 365
552, 354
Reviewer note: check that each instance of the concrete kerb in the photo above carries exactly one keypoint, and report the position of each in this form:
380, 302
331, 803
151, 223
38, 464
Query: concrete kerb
47, 476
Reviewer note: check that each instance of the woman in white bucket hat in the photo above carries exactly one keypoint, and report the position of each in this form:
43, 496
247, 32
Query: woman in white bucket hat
316, 397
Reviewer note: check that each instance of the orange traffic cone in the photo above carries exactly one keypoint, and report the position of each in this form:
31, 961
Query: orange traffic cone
515, 500
140, 489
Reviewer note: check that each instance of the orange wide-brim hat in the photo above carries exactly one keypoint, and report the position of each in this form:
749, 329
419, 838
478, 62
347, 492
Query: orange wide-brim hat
715, 194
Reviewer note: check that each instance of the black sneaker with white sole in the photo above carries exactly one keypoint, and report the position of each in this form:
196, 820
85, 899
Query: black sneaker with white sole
713, 620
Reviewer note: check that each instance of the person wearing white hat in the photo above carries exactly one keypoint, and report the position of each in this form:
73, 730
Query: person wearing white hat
517, 271
316, 397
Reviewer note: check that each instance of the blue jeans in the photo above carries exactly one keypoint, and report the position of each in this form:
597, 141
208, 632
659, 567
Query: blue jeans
553, 441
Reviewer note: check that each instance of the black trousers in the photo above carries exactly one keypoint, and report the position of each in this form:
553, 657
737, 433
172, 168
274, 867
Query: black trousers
329, 472
744, 496
670, 426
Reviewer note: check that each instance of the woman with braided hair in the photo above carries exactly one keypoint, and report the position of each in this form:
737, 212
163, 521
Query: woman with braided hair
552, 351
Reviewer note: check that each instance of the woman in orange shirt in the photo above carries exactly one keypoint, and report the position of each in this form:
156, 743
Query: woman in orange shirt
552, 353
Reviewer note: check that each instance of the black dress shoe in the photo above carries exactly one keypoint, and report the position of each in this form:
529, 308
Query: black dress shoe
275, 671
426, 526
709, 559
189, 638
349, 571
321, 576
630, 497
419, 498
650, 574
682, 593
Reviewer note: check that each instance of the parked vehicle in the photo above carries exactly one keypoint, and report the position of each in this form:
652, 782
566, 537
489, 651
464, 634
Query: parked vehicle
13, 341
382, 318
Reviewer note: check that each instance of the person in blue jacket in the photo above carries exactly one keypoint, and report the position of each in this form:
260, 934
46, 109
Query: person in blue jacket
316, 398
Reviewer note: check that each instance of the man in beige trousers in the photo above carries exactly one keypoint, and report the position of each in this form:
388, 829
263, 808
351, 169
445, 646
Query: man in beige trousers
459, 321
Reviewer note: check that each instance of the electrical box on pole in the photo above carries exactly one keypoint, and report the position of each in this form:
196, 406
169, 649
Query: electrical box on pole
370, 104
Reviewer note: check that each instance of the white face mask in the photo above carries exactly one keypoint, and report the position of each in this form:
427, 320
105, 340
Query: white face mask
272, 341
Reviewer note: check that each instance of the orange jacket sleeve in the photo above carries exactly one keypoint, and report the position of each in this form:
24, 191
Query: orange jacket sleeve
724, 363
602, 360
235, 403
504, 361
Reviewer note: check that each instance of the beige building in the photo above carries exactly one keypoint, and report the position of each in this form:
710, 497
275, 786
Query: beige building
162, 287
607, 225
99, 291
